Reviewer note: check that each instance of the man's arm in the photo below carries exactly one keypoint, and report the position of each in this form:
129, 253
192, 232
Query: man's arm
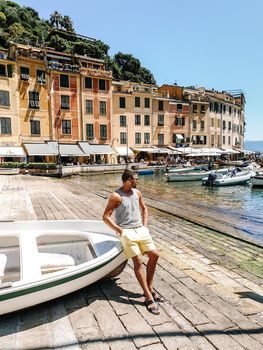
113, 202
143, 209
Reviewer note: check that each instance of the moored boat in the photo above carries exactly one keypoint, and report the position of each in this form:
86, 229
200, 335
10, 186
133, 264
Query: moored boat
9, 171
257, 179
43, 260
188, 176
230, 179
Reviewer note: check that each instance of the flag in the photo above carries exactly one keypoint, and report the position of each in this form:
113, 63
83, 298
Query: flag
51, 91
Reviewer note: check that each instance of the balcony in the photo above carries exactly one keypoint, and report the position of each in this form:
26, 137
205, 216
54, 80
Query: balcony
63, 67
34, 104
100, 73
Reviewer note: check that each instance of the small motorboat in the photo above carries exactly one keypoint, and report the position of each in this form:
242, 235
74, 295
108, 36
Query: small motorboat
44, 260
257, 179
145, 171
9, 171
230, 178
188, 176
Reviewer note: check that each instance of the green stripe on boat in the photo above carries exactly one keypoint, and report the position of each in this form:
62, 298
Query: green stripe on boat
30, 290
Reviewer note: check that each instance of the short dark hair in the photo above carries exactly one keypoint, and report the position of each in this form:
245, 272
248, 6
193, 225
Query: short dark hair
127, 174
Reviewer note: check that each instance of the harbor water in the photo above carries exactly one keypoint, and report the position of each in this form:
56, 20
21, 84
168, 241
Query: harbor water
241, 205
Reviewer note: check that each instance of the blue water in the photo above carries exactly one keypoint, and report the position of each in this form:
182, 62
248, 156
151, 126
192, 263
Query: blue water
242, 205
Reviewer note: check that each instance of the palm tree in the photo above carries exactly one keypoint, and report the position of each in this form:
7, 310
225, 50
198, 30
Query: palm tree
56, 19
67, 24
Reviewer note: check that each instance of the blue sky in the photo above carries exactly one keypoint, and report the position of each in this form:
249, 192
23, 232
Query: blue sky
215, 44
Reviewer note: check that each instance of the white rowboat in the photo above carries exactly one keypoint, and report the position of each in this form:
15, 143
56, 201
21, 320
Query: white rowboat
44, 260
188, 176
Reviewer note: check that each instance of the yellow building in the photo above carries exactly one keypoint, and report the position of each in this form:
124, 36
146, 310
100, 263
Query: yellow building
132, 117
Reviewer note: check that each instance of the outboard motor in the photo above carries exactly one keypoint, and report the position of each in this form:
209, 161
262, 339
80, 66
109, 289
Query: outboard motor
211, 179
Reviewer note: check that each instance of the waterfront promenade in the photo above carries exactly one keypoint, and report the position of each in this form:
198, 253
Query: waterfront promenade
212, 283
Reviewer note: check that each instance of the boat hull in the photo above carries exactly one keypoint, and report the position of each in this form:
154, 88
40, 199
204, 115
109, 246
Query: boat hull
180, 177
9, 171
257, 181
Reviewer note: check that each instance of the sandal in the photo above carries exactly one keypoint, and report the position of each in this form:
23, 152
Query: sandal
152, 307
157, 298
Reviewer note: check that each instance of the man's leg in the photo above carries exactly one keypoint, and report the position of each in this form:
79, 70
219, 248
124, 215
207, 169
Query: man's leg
140, 275
153, 256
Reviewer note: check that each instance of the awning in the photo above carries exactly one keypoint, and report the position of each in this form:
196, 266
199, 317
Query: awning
179, 136
230, 151
123, 151
176, 150
39, 149
95, 149
145, 149
164, 150
16, 151
65, 149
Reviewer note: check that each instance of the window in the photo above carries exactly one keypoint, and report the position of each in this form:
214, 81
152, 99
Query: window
174, 138
64, 99
194, 124
90, 131
122, 120
202, 124
224, 140
34, 99
224, 108
146, 120
160, 105
41, 78
216, 107
138, 137
224, 124
160, 120
88, 83
5, 124
137, 120
2, 70
137, 102
24, 73
211, 106
122, 103
147, 102
229, 140
218, 123
103, 132
123, 138
230, 110
103, 110
212, 140
66, 127
180, 121
194, 108
179, 107
202, 109
4, 98
212, 122
229, 126
64, 80
160, 139
146, 137
35, 127
89, 106
102, 84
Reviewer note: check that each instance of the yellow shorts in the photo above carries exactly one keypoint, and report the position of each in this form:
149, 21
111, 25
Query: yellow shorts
136, 241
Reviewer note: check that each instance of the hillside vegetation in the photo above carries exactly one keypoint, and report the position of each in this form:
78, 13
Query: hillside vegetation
23, 25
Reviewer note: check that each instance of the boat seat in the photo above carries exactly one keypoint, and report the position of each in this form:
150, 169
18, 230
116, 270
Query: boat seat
51, 262
3, 260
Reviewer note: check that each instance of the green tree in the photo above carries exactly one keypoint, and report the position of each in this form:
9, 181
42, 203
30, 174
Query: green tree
56, 19
2, 19
67, 24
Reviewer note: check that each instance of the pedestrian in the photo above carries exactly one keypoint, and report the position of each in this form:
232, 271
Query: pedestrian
130, 224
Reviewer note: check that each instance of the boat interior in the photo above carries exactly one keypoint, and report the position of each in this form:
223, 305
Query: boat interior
24, 258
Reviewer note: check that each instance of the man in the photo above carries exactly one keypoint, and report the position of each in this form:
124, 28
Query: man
126, 203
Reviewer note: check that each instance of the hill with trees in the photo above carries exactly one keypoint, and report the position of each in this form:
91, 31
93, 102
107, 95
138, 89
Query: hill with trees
23, 25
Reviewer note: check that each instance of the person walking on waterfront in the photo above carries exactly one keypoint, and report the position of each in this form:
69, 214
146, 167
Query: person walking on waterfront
130, 224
